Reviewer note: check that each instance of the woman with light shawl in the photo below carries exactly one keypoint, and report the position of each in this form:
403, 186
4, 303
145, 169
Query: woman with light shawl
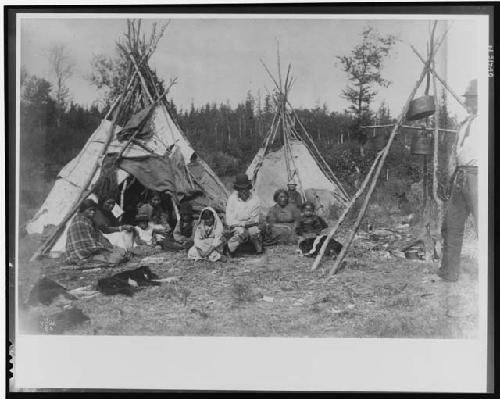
208, 237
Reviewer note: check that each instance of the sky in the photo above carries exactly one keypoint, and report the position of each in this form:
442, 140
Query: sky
217, 60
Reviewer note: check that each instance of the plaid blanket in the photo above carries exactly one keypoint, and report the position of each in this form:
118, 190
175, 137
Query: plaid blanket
84, 239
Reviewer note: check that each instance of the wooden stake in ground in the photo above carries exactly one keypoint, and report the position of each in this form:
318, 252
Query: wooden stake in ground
385, 151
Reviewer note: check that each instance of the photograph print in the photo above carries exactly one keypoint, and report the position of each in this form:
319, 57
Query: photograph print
252, 176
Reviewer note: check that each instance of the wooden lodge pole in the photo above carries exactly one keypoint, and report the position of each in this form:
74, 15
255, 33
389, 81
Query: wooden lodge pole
385, 151
85, 188
435, 181
434, 73
340, 220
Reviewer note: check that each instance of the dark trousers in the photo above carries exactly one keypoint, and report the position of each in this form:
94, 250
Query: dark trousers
462, 202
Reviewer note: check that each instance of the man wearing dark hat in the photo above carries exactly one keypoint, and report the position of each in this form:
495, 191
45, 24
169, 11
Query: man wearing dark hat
243, 216
463, 190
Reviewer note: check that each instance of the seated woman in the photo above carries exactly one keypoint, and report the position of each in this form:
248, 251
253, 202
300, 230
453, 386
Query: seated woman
183, 231
208, 237
311, 231
86, 243
281, 219
118, 234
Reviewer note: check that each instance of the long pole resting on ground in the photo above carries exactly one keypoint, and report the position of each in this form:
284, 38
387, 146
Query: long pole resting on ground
385, 151
83, 194
340, 220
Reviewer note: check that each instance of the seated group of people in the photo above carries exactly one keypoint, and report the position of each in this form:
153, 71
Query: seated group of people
96, 235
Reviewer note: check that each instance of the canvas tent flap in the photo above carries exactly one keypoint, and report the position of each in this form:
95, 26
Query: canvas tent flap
167, 139
158, 174
210, 186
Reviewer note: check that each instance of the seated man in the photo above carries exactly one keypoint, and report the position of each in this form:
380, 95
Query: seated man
86, 243
243, 216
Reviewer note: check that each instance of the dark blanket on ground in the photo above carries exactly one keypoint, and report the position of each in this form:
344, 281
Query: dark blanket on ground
119, 284
312, 246
45, 291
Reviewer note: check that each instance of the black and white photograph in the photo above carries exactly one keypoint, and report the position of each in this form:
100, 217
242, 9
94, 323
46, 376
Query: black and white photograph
298, 194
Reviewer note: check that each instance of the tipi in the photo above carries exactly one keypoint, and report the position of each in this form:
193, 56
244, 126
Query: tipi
150, 149
296, 160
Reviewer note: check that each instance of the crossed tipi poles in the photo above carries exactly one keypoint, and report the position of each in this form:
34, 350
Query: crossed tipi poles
287, 124
372, 176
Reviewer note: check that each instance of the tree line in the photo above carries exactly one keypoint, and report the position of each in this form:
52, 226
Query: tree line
54, 129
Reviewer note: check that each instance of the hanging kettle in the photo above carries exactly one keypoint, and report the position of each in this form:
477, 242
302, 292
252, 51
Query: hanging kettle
421, 107
422, 144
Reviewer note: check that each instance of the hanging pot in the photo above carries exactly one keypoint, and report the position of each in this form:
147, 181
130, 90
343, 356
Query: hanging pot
420, 108
422, 144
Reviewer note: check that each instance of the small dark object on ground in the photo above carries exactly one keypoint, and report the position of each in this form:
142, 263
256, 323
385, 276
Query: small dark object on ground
312, 246
202, 314
62, 321
118, 284
45, 291
412, 255
115, 286
142, 275
246, 248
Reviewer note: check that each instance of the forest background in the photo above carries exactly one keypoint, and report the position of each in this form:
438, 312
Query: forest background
53, 128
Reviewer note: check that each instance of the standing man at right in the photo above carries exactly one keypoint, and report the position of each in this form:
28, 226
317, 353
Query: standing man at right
463, 191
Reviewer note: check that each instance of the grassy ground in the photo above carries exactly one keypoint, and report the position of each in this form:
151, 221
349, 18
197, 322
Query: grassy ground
276, 294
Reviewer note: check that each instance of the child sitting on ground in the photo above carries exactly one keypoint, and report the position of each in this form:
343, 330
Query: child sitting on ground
146, 237
311, 231
158, 216
208, 237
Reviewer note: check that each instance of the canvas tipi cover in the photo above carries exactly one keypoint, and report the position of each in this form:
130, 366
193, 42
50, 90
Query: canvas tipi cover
166, 139
158, 154
297, 160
